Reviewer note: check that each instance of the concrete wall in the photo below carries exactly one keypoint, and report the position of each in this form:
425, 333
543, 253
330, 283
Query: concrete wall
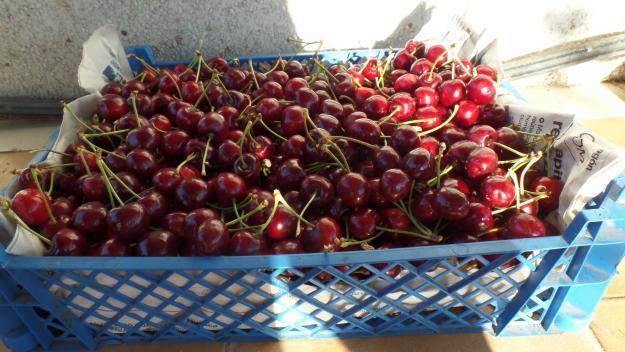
40, 41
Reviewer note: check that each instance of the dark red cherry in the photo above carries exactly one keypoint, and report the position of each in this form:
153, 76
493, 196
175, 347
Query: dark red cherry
479, 219
423, 207
293, 119
307, 98
365, 130
212, 124
174, 223
376, 197
166, 180
405, 138
128, 221
510, 138
288, 247
188, 117
142, 163
451, 204
227, 153
160, 122
362, 223
553, 187
143, 137
418, 164
112, 107
467, 114
403, 59
521, 225
293, 147
494, 115
192, 193
157, 243
290, 174
319, 187
498, 191
155, 204
193, 219
68, 242
394, 185
49, 228
385, 158
406, 83
328, 123
63, 206
481, 162
269, 108
230, 187
431, 144
211, 238
483, 135
481, 90
324, 236
375, 107
90, 219
332, 107
94, 188
353, 190
451, 92
456, 183
244, 243
282, 225
111, 247
173, 144
459, 151
428, 117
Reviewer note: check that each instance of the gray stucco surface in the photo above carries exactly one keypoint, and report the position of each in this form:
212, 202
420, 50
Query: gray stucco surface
40, 41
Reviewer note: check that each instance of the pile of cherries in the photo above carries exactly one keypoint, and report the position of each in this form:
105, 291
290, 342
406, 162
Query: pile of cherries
217, 158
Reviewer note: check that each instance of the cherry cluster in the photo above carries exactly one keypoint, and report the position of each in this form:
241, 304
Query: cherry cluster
218, 158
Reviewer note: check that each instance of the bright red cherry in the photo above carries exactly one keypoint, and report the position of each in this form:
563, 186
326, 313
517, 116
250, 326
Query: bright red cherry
481, 162
523, 225
324, 236
30, 206
498, 191
451, 92
352, 189
481, 90
553, 187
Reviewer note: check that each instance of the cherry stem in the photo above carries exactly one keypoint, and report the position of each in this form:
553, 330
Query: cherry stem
84, 162
87, 135
435, 238
433, 181
299, 223
143, 62
493, 230
36, 173
168, 74
253, 72
439, 156
348, 242
49, 151
523, 203
240, 218
389, 116
354, 140
275, 66
451, 116
385, 68
324, 69
421, 227
51, 188
122, 183
512, 150
78, 119
274, 133
208, 141
199, 65
436, 62
278, 198
189, 158
107, 184
533, 159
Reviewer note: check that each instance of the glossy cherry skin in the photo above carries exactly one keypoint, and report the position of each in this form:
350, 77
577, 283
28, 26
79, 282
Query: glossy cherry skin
230, 187
49, 228
142, 163
227, 153
428, 117
362, 223
418, 164
405, 138
90, 218
324, 236
451, 92
375, 107
193, 219
174, 222
523, 225
173, 143
293, 147
155, 204
30, 206
510, 138
157, 243
365, 130
353, 190
385, 158
307, 98
421, 66
244, 243
481, 90
290, 174
143, 137
247, 166
166, 180
494, 115
282, 225
211, 238
498, 191
328, 123
402, 106
212, 124
403, 59
188, 117
451, 204
293, 120
169, 82
112, 107
376, 197
128, 221
456, 183
467, 114
423, 207
192, 193
394, 185
406, 83
426, 96
479, 219
437, 53
458, 152
63, 206
111, 247
394, 218
68, 242
93, 187
483, 135
320, 187
481, 162
553, 187
431, 144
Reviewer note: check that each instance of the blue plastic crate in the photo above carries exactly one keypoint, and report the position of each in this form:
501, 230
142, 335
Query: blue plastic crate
62, 304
